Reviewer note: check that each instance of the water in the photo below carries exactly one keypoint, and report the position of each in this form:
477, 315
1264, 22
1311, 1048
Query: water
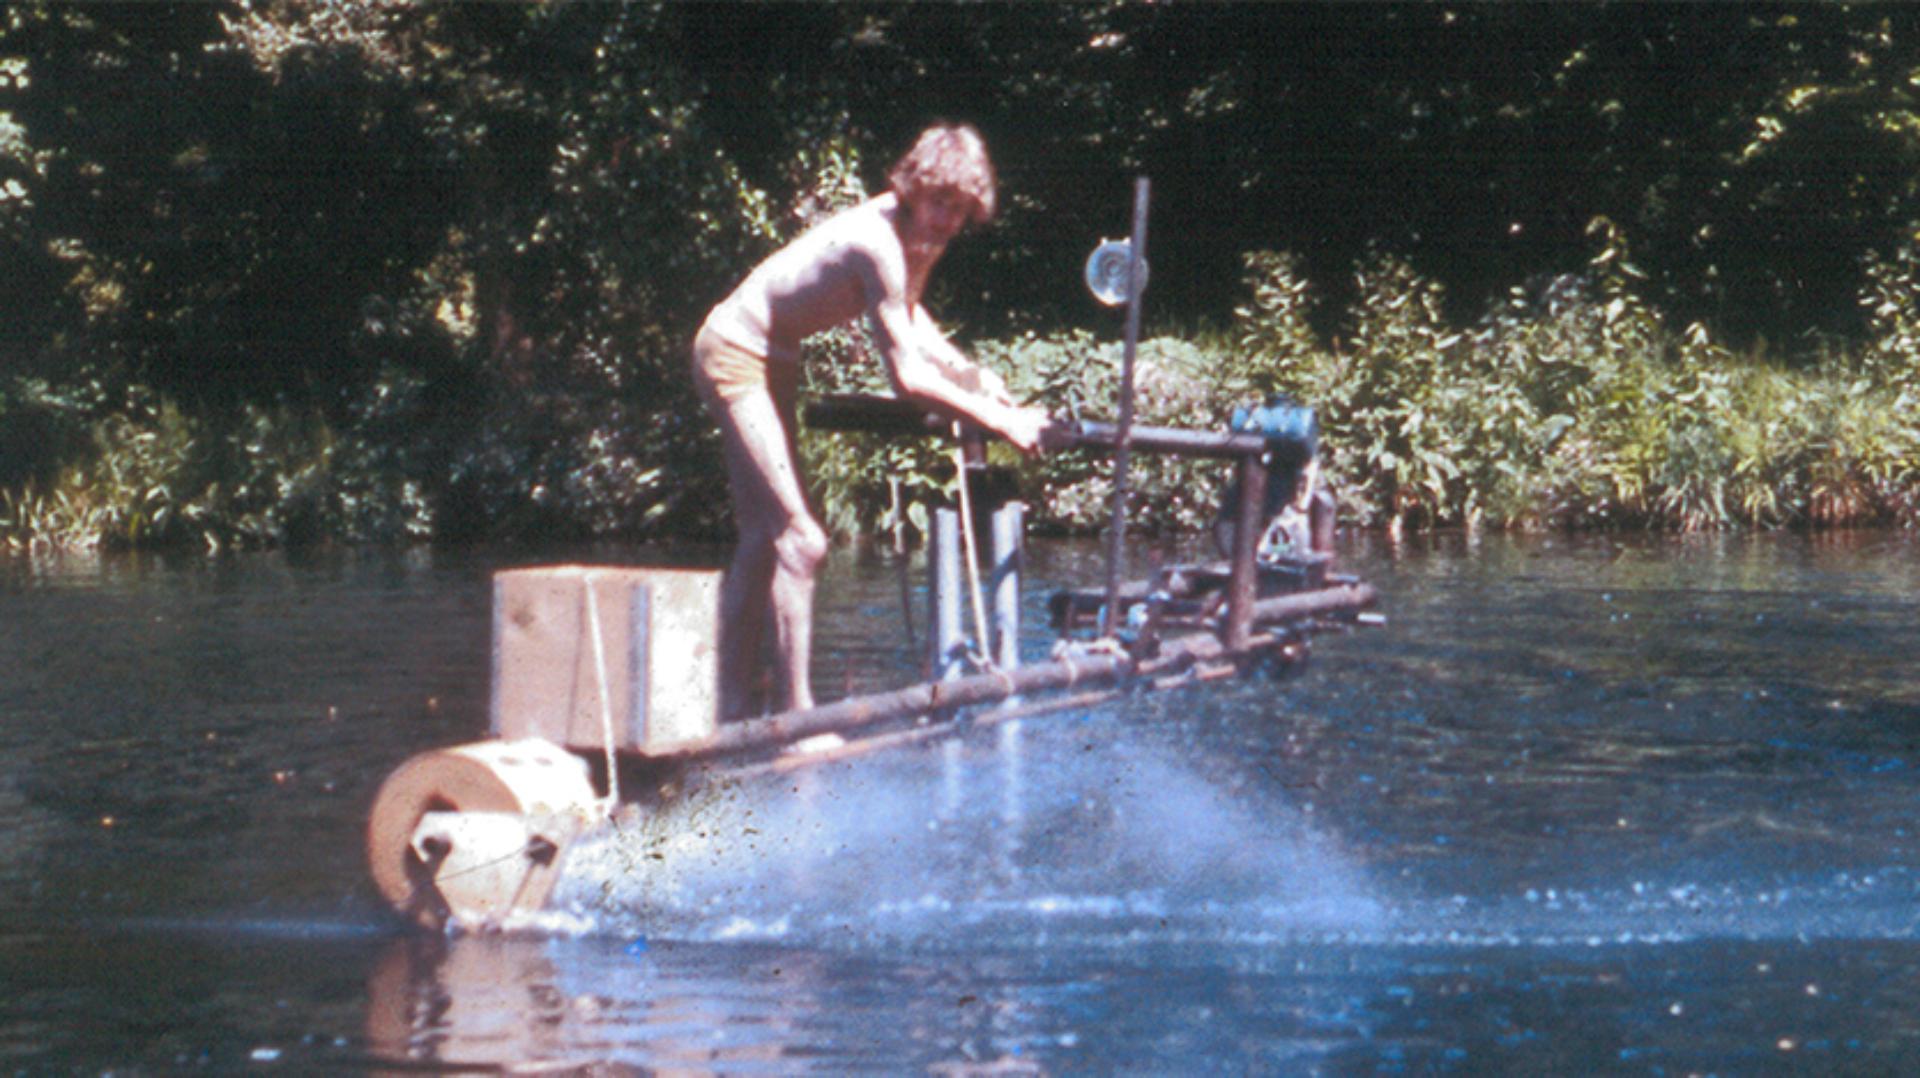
1631, 805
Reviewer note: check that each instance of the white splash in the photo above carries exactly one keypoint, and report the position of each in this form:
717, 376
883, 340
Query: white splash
1005, 836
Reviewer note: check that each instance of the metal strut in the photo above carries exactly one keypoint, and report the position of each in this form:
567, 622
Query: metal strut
1116, 534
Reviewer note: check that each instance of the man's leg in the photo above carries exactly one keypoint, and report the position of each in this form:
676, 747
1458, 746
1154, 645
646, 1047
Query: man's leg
781, 547
745, 593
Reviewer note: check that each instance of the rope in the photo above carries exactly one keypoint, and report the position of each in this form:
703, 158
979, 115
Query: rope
606, 694
1006, 681
1066, 651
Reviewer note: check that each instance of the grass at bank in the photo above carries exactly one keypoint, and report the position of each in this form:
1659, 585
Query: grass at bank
1572, 404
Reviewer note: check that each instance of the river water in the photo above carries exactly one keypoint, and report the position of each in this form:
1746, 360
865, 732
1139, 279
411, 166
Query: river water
1637, 805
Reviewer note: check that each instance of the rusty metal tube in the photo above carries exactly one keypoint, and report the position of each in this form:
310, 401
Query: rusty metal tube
1117, 527
974, 689
1241, 583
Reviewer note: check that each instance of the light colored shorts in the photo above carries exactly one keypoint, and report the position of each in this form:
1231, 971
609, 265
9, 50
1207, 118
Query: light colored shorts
724, 372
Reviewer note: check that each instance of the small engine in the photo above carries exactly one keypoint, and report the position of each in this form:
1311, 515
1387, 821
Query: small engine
1298, 515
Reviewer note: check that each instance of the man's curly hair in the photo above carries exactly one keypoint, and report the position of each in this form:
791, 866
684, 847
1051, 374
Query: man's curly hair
950, 157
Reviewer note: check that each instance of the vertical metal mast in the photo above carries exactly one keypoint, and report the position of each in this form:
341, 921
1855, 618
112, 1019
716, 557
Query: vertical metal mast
1116, 533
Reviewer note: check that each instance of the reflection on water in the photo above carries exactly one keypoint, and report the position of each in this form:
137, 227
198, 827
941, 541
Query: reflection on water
534, 1006
1607, 802
482, 1003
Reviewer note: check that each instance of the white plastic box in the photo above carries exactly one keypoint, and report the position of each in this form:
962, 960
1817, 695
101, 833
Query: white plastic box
580, 651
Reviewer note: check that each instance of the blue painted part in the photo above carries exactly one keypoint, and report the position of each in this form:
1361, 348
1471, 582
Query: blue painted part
1280, 420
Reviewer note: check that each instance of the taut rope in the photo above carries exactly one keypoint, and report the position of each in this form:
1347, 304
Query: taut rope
606, 694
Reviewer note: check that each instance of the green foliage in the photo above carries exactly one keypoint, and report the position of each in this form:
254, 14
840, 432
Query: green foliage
1278, 347
1572, 404
155, 476
861, 481
136, 487
280, 271
1891, 301
1177, 384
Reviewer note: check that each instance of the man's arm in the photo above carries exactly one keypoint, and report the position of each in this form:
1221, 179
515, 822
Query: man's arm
925, 364
955, 363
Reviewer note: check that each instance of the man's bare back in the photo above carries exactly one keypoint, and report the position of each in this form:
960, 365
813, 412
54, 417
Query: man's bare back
830, 276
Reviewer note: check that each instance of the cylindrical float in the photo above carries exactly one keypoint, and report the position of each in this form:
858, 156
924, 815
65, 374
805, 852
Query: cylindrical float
473, 834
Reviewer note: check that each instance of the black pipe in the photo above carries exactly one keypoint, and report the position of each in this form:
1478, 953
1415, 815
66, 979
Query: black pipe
905, 418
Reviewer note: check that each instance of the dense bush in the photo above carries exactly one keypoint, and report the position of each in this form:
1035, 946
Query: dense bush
376, 269
153, 475
1571, 404
1177, 384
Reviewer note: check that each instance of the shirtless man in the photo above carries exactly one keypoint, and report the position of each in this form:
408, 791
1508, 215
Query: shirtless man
871, 259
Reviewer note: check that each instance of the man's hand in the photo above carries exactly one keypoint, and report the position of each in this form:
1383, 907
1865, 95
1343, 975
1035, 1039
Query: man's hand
1027, 429
1058, 435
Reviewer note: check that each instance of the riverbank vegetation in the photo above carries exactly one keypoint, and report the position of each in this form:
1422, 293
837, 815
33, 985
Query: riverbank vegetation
1572, 404
380, 271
